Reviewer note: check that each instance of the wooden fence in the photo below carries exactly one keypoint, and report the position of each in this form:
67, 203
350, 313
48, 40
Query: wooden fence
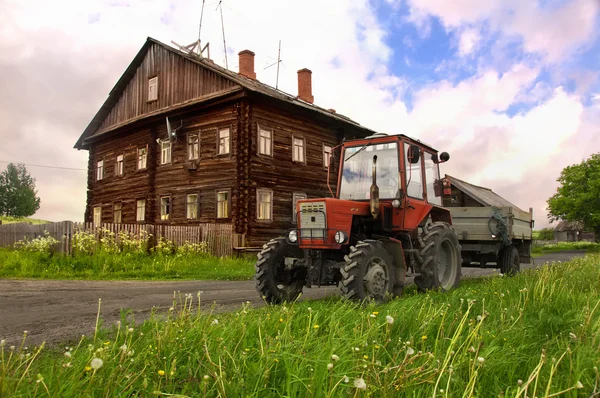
219, 238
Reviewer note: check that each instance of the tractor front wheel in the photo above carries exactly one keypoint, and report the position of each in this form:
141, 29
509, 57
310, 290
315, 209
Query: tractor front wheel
275, 282
439, 257
368, 273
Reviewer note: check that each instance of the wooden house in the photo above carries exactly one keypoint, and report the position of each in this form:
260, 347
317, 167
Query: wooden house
242, 152
572, 231
464, 194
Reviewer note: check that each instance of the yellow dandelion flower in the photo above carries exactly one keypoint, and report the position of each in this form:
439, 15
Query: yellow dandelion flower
316, 326
88, 368
161, 372
376, 313
106, 342
280, 319
423, 337
365, 356
376, 347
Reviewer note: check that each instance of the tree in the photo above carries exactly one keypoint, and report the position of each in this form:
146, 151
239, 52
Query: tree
18, 197
578, 196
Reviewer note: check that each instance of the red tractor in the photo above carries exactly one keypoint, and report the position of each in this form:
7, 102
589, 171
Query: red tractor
386, 217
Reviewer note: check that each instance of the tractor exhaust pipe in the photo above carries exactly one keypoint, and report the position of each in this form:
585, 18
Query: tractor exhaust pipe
374, 200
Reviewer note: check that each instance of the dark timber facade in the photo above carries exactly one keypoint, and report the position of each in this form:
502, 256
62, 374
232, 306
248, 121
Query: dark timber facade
243, 152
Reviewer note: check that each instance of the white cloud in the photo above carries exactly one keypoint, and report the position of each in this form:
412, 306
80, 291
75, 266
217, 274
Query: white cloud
468, 41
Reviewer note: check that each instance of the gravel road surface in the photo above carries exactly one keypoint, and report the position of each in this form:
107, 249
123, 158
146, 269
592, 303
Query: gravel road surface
56, 311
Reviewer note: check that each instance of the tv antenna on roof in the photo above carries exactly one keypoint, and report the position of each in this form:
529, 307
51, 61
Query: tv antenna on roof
277, 63
196, 46
220, 7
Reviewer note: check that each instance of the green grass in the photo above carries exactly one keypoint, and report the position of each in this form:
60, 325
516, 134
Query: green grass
536, 334
12, 220
590, 247
107, 266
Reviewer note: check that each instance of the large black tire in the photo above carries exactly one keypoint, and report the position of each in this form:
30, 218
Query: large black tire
368, 273
509, 261
274, 283
439, 258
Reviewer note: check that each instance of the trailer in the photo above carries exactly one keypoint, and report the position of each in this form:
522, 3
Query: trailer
493, 232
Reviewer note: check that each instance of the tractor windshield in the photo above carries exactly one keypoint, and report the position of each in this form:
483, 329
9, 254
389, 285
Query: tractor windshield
357, 170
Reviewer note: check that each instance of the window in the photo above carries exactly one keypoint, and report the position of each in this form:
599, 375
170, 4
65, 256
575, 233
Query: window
414, 178
192, 207
117, 206
223, 142
120, 169
326, 155
295, 198
140, 210
165, 152
298, 149
223, 204
264, 204
100, 170
193, 147
153, 89
142, 158
97, 216
165, 208
432, 177
265, 142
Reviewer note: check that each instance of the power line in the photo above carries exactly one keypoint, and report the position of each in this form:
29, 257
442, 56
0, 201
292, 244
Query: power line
45, 166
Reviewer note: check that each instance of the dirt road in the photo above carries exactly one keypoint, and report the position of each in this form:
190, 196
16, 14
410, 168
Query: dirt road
54, 311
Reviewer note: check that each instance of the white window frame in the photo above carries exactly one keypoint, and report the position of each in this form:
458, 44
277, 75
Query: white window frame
225, 139
165, 208
302, 151
296, 196
140, 210
120, 166
264, 210
223, 211
193, 147
100, 170
142, 158
191, 205
265, 141
97, 216
118, 212
165, 152
326, 155
153, 89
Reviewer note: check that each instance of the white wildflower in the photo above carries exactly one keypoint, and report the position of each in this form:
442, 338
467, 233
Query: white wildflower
389, 319
356, 349
206, 377
520, 382
479, 318
410, 351
2, 343
329, 366
373, 315
480, 359
573, 335
578, 385
360, 384
96, 363
123, 348
130, 330
334, 357
215, 322
346, 379
68, 354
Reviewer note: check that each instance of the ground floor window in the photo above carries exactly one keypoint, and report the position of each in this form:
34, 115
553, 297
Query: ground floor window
165, 208
192, 207
223, 198
117, 212
264, 204
296, 196
97, 215
140, 210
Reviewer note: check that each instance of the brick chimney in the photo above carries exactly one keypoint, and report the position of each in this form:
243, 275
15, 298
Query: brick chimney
305, 85
247, 64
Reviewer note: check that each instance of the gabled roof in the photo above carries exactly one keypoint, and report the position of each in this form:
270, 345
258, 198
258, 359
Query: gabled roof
245, 82
483, 195
569, 226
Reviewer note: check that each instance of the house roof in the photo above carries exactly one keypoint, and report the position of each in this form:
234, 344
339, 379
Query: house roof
245, 82
569, 226
483, 195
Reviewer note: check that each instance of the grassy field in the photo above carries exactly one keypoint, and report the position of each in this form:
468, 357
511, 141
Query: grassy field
12, 220
113, 266
537, 334
590, 247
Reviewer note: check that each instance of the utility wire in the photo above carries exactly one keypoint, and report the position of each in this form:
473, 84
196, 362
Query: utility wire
44, 166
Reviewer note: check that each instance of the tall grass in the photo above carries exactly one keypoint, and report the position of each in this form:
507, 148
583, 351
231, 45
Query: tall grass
536, 334
12, 220
555, 247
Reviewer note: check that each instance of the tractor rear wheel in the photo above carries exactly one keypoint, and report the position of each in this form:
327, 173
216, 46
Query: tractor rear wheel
439, 257
274, 282
369, 272
509, 261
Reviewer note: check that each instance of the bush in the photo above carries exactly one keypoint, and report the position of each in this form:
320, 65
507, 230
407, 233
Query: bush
545, 234
43, 244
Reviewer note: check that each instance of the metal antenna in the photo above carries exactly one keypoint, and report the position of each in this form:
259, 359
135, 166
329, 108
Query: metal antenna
219, 7
200, 28
278, 62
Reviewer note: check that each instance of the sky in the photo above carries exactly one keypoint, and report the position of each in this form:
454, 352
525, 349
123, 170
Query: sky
510, 88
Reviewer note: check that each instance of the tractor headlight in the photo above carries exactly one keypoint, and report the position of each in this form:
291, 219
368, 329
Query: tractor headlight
396, 203
340, 237
293, 236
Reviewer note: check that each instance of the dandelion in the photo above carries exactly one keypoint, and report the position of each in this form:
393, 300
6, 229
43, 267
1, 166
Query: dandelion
309, 309
161, 372
96, 363
123, 348
346, 379
481, 360
410, 351
365, 356
107, 343
389, 319
578, 385
573, 335
2, 343
329, 366
375, 312
423, 337
360, 384
215, 322
471, 349
130, 330
372, 316
377, 347
356, 349
206, 377
88, 368
280, 319
479, 318
316, 326
335, 357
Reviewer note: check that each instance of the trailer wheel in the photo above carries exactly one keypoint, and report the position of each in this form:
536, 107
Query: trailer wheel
439, 258
369, 272
274, 283
509, 260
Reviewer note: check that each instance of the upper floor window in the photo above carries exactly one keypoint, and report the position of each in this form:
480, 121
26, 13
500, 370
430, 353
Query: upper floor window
100, 170
165, 152
140, 210
264, 204
223, 204
117, 207
97, 216
120, 166
193, 147
153, 88
192, 207
142, 158
223, 142
326, 155
165, 208
265, 142
298, 149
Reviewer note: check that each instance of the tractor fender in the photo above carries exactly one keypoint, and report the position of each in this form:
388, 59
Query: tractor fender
440, 214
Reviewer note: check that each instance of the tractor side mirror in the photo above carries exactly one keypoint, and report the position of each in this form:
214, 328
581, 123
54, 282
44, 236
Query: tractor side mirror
414, 154
444, 157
